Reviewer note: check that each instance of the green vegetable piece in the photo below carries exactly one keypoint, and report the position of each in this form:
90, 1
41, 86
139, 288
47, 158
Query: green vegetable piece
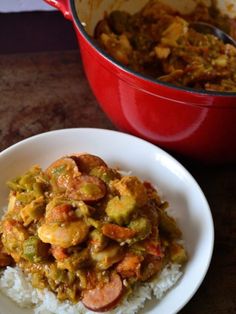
14, 185
38, 189
32, 211
105, 174
35, 250
75, 261
26, 181
137, 248
82, 210
120, 209
56, 275
81, 274
89, 189
142, 226
98, 240
94, 223
25, 197
178, 254
29, 178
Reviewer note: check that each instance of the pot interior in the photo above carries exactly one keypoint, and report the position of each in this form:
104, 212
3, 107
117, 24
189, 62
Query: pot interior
91, 11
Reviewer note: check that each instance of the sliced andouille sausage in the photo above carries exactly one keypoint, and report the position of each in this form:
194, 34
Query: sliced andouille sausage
62, 172
102, 299
87, 188
87, 162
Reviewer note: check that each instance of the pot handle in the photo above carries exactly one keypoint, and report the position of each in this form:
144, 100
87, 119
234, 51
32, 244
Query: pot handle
61, 5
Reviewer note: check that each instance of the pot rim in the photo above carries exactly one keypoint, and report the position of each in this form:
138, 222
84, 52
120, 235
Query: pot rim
116, 63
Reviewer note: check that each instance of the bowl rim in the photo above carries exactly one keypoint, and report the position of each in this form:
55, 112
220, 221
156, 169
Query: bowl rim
119, 65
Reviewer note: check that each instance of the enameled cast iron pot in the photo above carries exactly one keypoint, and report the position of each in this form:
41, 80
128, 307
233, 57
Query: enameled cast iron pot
198, 124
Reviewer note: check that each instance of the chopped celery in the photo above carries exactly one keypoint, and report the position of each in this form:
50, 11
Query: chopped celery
33, 210
34, 249
120, 209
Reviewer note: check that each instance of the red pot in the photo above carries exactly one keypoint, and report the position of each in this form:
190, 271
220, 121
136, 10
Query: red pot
199, 124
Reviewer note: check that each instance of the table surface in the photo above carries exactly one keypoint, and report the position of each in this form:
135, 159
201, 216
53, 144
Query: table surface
43, 88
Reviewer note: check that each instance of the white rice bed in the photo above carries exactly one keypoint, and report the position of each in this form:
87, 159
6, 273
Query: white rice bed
17, 286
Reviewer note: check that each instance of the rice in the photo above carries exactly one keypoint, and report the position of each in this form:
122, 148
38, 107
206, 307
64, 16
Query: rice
17, 286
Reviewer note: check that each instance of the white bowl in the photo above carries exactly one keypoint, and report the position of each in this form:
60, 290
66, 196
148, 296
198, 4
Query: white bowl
187, 202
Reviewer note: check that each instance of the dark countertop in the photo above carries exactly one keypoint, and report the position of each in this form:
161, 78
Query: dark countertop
43, 87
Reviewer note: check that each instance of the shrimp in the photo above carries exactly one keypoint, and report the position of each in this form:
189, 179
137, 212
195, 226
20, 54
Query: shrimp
59, 253
130, 266
118, 233
64, 235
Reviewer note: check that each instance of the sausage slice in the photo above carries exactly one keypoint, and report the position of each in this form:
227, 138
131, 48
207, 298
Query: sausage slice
62, 172
102, 299
87, 188
87, 162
